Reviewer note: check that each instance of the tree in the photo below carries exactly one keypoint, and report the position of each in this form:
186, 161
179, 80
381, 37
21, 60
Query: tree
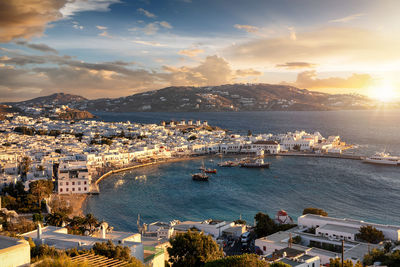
25, 166
193, 249
370, 234
37, 217
238, 261
249, 133
192, 138
337, 262
387, 259
264, 225
279, 264
41, 189
109, 250
91, 221
56, 218
315, 211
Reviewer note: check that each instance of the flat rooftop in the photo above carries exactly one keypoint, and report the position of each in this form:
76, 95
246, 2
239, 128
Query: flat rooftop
349, 221
56, 234
340, 228
6, 242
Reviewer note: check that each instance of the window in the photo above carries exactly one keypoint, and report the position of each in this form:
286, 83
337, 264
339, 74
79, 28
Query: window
84, 182
79, 183
264, 248
79, 189
60, 189
66, 189
85, 188
61, 183
73, 183
67, 183
73, 189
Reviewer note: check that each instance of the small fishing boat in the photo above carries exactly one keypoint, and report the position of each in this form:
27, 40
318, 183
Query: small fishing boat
200, 176
228, 164
209, 170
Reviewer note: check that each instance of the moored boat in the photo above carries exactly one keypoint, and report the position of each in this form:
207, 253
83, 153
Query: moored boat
383, 158
210, 170
259, 163
200, 177
228, 164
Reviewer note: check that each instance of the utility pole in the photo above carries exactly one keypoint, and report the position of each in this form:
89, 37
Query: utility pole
342, 252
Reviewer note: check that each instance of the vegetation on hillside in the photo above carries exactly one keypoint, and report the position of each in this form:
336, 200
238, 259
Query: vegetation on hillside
193, 249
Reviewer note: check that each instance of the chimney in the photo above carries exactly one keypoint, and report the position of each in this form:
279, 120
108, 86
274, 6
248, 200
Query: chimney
39, 231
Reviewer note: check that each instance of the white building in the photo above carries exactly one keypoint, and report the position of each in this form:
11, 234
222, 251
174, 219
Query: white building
14, 252
73, 177
335, 227
59, 238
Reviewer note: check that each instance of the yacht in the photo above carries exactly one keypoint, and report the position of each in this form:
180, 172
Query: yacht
383, 158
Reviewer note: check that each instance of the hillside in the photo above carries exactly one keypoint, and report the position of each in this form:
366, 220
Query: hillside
231, 97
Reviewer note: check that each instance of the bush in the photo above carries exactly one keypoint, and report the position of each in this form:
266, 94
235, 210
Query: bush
315, 211
61, 261
266, 226
238, 261
110, 250
370, 234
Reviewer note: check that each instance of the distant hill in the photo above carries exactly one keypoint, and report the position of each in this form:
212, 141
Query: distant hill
230, 97
54, 99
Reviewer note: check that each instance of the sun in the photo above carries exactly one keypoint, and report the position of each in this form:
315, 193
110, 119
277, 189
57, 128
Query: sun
384, 92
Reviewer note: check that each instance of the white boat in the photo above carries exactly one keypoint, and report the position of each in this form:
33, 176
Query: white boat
383, 158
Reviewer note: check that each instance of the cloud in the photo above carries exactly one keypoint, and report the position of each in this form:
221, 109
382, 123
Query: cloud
292, 32
77, 26
309, 80
334, 45
165, 25
39, 47
101, 27
151, 28
75, 6
32, 74
348, 18
296, 65
247, 72
146, 13
191, 52
149, 43
247, 28
213, 70
27, 18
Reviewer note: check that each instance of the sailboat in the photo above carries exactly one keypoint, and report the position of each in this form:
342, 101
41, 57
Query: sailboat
200, 176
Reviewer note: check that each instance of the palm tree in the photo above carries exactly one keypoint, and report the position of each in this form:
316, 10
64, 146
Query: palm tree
91, 221
56, 218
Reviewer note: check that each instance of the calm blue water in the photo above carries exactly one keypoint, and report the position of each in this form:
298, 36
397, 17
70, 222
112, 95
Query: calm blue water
344, 188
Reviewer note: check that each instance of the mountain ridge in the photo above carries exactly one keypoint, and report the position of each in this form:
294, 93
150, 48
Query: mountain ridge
228, 97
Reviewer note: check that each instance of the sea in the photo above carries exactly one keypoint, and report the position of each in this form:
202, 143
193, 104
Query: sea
343, 188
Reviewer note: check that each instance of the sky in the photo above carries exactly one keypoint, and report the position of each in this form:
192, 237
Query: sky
114, 48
